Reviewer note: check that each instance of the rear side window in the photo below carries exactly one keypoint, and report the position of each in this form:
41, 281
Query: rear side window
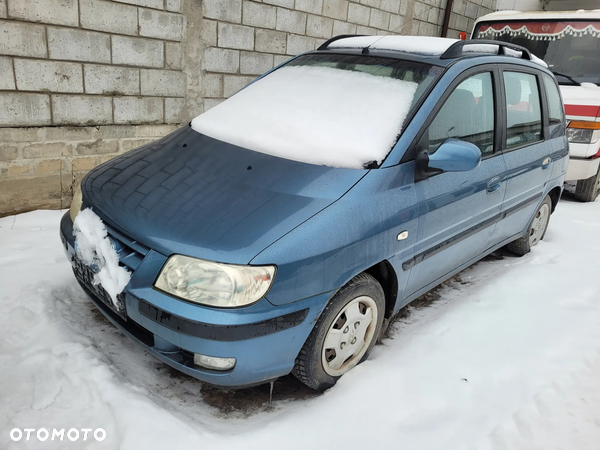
556, 111
467, 114
523, 112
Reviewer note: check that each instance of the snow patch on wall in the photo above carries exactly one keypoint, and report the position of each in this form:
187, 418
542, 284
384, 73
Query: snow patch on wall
95, 249
317, 115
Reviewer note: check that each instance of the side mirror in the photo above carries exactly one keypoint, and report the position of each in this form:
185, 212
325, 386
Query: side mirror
455, 156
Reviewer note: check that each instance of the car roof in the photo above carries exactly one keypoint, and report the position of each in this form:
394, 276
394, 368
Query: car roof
580, 14
432, 50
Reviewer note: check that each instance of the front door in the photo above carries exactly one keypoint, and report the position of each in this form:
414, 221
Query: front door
459, 210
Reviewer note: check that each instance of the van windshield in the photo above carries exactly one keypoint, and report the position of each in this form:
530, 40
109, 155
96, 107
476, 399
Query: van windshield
334, 110
570, 48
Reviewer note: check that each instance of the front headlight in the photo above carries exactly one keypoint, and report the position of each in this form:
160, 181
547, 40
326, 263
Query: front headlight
579, 136
76, 203
583, 132
214, 284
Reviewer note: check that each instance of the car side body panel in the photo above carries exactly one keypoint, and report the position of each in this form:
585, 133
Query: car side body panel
359, 230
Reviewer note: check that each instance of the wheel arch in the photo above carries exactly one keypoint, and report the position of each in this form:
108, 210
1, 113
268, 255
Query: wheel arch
554, 195
385, 274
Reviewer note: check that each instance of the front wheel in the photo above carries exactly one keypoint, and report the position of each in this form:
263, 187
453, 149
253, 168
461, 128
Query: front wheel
535, 231
344, 334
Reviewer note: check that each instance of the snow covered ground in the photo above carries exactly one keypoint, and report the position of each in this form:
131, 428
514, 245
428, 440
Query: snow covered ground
507, 358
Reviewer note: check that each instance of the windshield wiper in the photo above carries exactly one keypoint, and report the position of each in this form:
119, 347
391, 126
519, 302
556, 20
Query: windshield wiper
575, 82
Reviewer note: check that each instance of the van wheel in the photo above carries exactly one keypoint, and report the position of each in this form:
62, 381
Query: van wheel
344, 335
587, 190
535, 232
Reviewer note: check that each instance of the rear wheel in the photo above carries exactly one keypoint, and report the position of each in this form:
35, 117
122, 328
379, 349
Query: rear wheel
535, 232
587, 190
344, 334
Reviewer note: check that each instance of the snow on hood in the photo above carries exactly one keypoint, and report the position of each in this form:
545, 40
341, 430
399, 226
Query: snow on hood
316, 115
95, 249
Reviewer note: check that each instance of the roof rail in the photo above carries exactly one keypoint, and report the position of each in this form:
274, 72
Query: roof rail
325, 44
457, 49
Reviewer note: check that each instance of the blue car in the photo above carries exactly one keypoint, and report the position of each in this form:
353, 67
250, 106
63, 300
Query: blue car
282, 230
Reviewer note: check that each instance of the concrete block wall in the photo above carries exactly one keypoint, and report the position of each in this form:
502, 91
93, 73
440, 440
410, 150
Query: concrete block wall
39, 166
464, 13
80, 82
77, 62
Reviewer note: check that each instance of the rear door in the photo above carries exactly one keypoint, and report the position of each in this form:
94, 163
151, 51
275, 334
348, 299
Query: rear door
526, 149
458, 210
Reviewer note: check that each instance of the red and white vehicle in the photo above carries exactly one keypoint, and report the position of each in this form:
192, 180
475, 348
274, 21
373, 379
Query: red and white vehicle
569, 42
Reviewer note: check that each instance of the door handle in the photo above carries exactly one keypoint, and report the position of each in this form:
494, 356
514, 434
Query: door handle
493, 185
546, 163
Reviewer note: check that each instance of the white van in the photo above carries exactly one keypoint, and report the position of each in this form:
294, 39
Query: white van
569, 42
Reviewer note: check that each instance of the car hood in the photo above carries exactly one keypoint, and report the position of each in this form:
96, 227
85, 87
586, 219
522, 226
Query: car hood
194, 195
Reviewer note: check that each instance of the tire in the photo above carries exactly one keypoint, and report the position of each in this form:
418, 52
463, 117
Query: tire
535, 231
587, 190
352, 321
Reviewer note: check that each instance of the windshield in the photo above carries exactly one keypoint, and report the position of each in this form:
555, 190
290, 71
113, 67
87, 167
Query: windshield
571, 49
334, 110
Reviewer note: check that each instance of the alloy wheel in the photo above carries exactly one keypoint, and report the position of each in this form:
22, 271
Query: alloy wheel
349, 336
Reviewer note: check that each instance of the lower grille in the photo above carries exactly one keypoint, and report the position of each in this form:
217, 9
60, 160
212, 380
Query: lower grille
85, 276
131, 253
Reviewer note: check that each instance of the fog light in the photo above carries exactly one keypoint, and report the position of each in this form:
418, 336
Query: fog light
211, 362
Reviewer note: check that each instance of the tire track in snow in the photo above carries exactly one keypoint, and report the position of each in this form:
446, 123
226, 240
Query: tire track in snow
564, 414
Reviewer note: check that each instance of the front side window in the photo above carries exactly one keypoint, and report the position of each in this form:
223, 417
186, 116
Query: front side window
523, 112
467, 114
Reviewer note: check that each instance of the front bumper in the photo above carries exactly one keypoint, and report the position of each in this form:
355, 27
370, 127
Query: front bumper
582, 168
265, 339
